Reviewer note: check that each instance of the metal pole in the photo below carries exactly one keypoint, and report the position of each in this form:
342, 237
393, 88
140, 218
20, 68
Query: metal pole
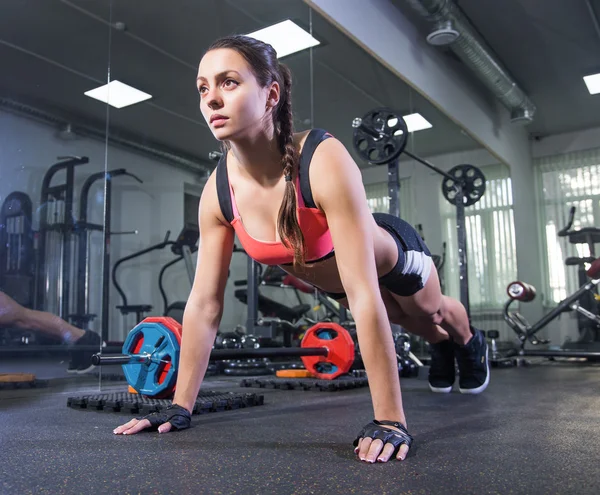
106, 256
462, 250
252, 290
394, 188
218, 355
189, 264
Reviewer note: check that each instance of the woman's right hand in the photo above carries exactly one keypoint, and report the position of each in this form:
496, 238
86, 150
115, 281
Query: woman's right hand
174, 417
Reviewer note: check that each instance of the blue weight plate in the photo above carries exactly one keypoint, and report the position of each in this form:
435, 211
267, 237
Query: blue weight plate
149, 378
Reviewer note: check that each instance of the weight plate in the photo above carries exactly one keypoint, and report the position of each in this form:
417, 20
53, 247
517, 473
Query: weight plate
341, 350
472, 181
392, 136
161, 338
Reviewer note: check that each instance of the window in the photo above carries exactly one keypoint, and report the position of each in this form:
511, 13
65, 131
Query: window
379, 201
491, 249
563, 181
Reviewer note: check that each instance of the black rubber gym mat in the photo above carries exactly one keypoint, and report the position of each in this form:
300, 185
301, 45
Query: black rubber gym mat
305, 384
123, 402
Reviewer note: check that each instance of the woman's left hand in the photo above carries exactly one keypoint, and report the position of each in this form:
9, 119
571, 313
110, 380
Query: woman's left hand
379, 440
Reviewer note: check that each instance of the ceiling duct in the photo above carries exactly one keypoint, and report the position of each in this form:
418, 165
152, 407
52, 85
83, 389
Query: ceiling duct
452, 28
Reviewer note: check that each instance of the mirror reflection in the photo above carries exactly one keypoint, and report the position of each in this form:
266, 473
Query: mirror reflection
52, 161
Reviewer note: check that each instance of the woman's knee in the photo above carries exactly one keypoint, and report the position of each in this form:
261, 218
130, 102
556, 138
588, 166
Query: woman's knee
430, 316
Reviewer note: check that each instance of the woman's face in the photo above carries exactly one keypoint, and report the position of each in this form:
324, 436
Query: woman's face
231, 100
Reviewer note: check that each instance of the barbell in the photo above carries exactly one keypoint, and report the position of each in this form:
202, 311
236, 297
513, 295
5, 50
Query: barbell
150, 354
381, 136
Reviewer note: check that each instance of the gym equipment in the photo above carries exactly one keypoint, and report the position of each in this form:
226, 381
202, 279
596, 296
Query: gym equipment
472, 181
84, 229
380, 136
274, 314
308, 384
339, 344
54, 250
520, 291
150, 356
182, 247
185, 245
160, 340
408, 363
276, 277
208, 401
497, 357
588, 328
16, 248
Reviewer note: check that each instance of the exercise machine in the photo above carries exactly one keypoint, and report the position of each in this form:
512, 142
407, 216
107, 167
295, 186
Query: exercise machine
54, 252
523, 292
182, 247
520, 291
588, 328
16, 248
83, 230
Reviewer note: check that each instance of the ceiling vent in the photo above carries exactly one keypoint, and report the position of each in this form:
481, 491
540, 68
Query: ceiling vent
474, 52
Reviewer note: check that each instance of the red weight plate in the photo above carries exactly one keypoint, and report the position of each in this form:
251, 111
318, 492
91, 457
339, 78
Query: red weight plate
338, 342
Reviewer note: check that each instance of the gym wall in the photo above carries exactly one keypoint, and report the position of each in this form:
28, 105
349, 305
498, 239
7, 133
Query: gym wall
152, 208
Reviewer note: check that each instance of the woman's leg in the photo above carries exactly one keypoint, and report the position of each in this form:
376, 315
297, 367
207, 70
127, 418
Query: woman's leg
13, 314
430, 307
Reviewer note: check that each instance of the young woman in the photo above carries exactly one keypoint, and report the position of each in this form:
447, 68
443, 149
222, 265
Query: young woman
298, 201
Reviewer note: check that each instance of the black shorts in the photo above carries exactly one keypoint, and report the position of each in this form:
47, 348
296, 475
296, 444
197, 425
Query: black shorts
412, 270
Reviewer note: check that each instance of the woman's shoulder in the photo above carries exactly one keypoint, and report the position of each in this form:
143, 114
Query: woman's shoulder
300, 139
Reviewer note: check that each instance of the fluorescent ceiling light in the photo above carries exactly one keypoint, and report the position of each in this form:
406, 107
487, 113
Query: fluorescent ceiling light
593, 83
286, 37
416, 122
118, 95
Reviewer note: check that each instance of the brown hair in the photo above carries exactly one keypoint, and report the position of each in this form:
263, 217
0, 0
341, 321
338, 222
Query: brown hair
262, 59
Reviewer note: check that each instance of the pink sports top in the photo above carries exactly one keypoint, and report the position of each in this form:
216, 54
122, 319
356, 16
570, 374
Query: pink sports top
313, 223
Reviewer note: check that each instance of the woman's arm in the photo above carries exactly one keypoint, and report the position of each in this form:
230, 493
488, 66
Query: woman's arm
338, 190
203, 311
204, 307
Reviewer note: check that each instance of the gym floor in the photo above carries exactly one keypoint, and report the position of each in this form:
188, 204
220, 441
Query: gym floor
534, 430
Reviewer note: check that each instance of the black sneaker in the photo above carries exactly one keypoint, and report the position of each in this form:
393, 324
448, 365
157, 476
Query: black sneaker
442, 370
473, 364
81, 360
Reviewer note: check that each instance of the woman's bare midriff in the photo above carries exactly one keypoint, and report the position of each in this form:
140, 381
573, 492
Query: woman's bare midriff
325, 274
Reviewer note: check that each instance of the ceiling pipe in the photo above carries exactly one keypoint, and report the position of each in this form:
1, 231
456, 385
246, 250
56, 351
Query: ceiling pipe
452, 28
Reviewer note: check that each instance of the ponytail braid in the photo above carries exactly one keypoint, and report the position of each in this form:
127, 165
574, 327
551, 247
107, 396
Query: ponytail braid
287, 222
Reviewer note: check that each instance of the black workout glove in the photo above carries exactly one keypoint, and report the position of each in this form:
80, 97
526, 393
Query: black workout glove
376, 430
179, 417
